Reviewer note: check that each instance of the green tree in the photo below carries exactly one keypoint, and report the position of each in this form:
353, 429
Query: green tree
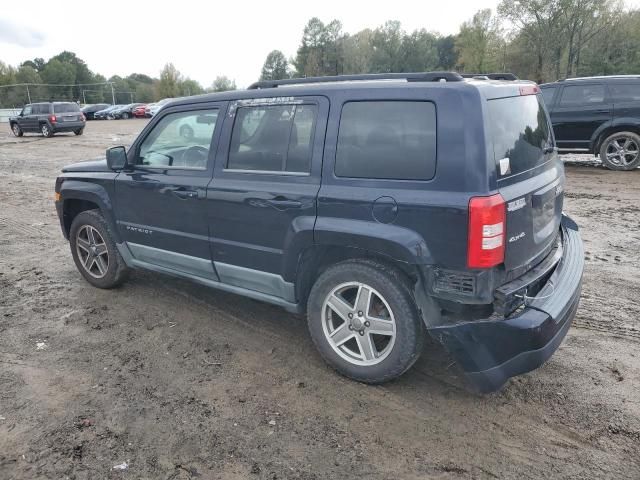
222, 84
419, 52
387, 48
275, 66
357, 52
447, 55
479, 43
170, 78
189, 87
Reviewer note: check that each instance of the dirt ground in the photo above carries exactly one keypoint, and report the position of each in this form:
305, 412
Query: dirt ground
170, 380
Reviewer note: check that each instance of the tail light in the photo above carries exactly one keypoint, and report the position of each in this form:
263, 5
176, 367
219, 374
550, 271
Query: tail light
53, 119
84, 118
529, 89
486, 240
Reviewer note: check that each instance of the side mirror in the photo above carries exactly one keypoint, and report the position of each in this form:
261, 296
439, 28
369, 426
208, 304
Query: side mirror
116, 158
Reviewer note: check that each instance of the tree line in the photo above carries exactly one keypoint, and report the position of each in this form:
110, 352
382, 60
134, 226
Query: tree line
541, 40
85, 86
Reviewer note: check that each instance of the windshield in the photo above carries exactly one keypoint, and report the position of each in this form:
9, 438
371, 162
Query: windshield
520, 132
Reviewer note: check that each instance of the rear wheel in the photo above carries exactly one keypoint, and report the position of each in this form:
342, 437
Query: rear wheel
95, 252
125, 116
621, 151
17, 131
80, 131
46, 130
364, 321
186, 132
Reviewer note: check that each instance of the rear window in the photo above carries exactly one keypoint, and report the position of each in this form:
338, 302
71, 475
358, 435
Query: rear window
387, 140
65, 108
520, 133
625, 92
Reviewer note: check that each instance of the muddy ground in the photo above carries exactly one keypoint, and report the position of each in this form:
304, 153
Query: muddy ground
177, 381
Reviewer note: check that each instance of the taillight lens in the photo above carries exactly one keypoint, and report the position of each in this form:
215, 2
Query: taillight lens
52, 118
486, 242
84, 118
529, 89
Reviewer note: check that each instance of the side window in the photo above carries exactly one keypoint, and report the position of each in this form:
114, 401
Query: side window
179, 140
27, 110
547, 94
387, 139
273, 138
625, 92
582, 95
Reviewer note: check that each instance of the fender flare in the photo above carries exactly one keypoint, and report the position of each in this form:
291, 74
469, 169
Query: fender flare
620, 124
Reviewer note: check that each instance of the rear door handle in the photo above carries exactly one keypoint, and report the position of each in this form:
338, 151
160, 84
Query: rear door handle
281, 202
184, 194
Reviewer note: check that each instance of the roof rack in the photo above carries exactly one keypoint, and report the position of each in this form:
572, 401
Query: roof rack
597, 77
409, 77
491, 76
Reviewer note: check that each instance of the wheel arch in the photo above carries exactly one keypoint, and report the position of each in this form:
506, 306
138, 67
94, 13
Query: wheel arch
619, 125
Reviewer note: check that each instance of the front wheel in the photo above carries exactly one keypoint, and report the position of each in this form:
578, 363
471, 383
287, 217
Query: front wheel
364, 321
46, 130
621, 151
17, 131
125, 116
95, 252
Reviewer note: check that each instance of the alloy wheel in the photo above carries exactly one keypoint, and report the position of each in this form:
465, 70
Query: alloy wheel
358, 323
92, 251
622, 151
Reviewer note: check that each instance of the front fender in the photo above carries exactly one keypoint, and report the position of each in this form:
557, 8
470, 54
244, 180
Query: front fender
96, 191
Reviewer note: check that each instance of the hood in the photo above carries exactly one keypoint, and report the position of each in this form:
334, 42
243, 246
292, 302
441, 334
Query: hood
99, 165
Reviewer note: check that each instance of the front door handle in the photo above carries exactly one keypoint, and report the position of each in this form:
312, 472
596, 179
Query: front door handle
281, 202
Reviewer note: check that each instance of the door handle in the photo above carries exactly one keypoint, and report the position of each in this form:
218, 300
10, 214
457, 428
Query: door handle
603, 111
184, 194
281, 202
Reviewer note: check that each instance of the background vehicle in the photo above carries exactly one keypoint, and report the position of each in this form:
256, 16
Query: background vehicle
90, 110
599, 115
48, 119
105, 114
155, 107
380, 205
139, 111
124, 112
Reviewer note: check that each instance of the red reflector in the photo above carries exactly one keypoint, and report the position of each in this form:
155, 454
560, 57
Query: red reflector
52, 118
529, 89
487, 228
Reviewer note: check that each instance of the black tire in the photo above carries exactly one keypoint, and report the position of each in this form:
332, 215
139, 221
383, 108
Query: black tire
125, 116
396, 290
116, 270
80, 131
186, 132
615, 162
17, 131
46, 130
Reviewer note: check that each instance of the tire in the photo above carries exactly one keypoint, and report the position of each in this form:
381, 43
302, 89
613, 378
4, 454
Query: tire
17, 131
46, 130
105, 270
621, 151
393, 352
80, 131
125, 116
186, 132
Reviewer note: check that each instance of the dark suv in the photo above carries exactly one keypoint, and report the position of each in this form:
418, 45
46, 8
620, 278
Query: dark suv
48, 119
599, 115
379, 205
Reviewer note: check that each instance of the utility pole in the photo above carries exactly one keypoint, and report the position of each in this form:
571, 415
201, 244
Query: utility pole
84, 100
28, 94
113, 95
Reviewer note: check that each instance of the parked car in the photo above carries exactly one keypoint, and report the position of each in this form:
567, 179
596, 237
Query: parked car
90, 110
48, 119
154, 108
147, 109
105, 114
382, 206
124, 112
598, 115
138, 112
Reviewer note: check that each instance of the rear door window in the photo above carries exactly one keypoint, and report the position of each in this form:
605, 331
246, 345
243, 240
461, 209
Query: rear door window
520, 132
582, 95
387, 140
273, 138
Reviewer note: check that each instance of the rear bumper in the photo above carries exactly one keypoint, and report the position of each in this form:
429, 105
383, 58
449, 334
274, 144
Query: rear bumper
67, 126
491, 351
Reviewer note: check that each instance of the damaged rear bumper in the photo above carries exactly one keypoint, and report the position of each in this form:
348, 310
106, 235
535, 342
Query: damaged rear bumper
493, 350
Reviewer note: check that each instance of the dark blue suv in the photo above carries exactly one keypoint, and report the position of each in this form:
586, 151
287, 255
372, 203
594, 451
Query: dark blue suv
382, 206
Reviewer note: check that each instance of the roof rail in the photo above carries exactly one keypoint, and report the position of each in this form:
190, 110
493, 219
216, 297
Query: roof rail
491, 76
409, 77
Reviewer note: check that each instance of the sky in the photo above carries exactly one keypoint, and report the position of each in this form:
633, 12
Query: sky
203, 39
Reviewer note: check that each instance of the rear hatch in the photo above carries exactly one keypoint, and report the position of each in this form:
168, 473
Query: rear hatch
530, 177
67, 112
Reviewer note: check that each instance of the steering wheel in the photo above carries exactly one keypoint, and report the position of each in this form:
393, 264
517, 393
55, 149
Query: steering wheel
196, 156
